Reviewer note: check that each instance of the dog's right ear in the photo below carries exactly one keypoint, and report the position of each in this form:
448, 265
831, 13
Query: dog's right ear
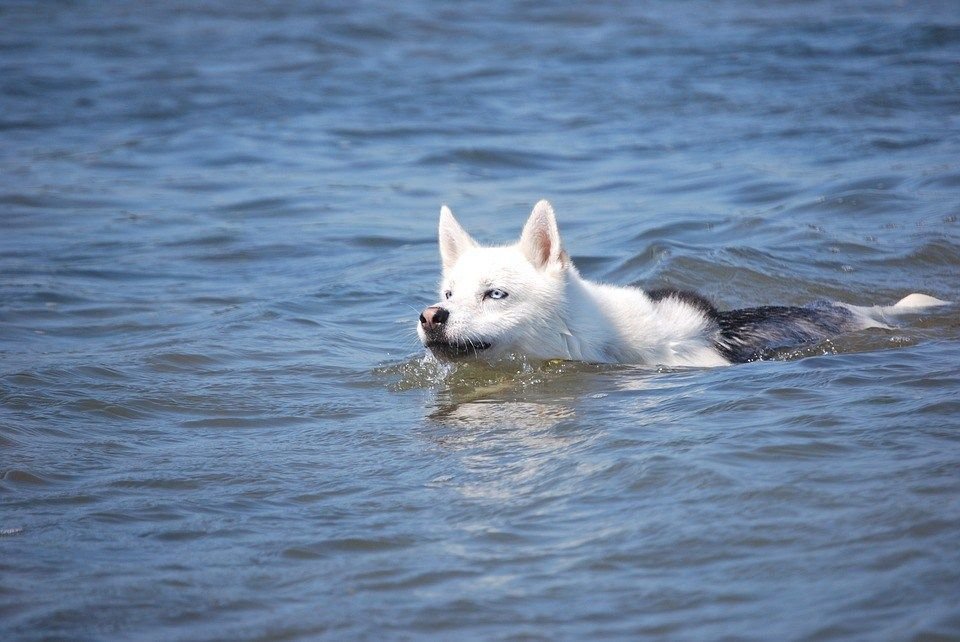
540, 239
454, 240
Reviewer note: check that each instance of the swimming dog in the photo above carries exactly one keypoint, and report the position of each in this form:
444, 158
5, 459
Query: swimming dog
529, 299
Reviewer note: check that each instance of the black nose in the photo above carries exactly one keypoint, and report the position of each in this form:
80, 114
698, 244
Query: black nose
433, 316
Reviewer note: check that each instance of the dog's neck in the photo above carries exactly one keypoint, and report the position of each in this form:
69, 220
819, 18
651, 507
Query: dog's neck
588, 324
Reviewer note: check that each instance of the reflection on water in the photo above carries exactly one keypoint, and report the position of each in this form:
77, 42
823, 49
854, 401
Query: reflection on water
517, 417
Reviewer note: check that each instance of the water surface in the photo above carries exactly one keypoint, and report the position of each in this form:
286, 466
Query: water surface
218, 227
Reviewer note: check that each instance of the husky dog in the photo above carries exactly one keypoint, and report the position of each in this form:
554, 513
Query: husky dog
529, 299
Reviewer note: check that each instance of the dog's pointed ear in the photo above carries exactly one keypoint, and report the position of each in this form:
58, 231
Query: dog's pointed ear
540, 240
454, 240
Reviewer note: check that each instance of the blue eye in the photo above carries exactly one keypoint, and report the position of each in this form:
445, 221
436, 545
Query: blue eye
495, 293
447, 294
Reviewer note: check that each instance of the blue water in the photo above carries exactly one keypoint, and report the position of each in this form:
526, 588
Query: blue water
218, 228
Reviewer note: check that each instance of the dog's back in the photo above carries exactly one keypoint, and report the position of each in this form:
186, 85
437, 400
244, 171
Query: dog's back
748, 334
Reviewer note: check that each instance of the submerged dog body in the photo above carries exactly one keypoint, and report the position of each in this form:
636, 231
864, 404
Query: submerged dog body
529, 299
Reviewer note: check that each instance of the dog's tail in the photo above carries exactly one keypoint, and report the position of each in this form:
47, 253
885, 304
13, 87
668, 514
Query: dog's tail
914, 302
880, 316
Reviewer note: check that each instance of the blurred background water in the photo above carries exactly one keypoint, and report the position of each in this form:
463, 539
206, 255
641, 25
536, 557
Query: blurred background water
218, 226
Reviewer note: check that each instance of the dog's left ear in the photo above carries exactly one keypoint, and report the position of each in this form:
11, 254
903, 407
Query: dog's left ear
540, 240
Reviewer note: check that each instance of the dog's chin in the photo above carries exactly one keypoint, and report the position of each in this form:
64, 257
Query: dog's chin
444, 349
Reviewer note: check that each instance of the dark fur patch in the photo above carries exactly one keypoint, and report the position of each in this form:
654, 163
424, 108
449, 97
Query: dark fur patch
750, 333
690, 298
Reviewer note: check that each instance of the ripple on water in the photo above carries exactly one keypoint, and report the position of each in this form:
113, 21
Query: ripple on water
762, 192
184, 362
15, 476
105, 409
272, 422
939, 253
349, 545
267, 207
491, 158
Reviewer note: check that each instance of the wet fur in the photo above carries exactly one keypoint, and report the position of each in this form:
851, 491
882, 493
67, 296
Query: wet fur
551, 312
749, 334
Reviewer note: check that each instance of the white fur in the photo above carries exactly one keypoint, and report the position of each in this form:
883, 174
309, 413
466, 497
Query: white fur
877, 316
918, 301
551, 312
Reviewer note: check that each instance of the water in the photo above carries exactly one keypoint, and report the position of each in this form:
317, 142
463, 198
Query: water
218, 225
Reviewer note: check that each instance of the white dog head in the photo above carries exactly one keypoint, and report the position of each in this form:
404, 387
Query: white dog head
499, 300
